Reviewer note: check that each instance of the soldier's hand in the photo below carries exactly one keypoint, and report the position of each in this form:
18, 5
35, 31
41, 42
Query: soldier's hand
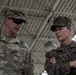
53, 60
72, 63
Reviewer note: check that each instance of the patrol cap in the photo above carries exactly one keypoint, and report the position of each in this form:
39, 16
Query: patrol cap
15, 14
61, 22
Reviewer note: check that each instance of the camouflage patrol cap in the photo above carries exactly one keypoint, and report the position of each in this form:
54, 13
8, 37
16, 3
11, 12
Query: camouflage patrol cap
61, 22
15, 14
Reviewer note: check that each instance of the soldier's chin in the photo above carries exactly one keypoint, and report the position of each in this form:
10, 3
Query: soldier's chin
17, 32
59, 39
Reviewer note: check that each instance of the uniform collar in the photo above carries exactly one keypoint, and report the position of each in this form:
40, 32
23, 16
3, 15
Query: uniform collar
72, 44
14, 40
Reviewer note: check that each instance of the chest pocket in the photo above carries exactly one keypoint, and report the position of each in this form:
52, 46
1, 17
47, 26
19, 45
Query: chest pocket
67, 54
12, 52
17, 52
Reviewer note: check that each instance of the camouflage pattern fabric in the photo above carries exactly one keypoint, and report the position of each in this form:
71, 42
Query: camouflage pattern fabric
63, 55
14, 58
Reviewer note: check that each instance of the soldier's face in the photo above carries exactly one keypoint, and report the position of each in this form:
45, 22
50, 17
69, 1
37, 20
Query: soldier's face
62, 33
12, 26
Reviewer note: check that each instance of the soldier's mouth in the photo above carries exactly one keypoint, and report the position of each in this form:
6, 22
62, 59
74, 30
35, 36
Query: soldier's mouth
17, 29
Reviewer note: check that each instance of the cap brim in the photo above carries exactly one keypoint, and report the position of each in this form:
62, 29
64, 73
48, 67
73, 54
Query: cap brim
22, 18
53, 27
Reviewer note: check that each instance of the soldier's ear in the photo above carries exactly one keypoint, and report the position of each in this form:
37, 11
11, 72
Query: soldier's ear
6, 20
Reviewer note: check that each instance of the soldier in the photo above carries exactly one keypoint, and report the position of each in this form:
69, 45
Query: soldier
64, 59
14, 53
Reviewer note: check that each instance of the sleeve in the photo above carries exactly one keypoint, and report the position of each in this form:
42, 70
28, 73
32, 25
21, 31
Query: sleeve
49, 67
63, 64
60, 68
28, 66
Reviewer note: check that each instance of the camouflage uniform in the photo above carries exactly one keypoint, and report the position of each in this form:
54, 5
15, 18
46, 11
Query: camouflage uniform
63, 55
14, 55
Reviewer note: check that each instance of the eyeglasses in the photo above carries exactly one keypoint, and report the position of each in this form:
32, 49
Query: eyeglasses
17, 21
